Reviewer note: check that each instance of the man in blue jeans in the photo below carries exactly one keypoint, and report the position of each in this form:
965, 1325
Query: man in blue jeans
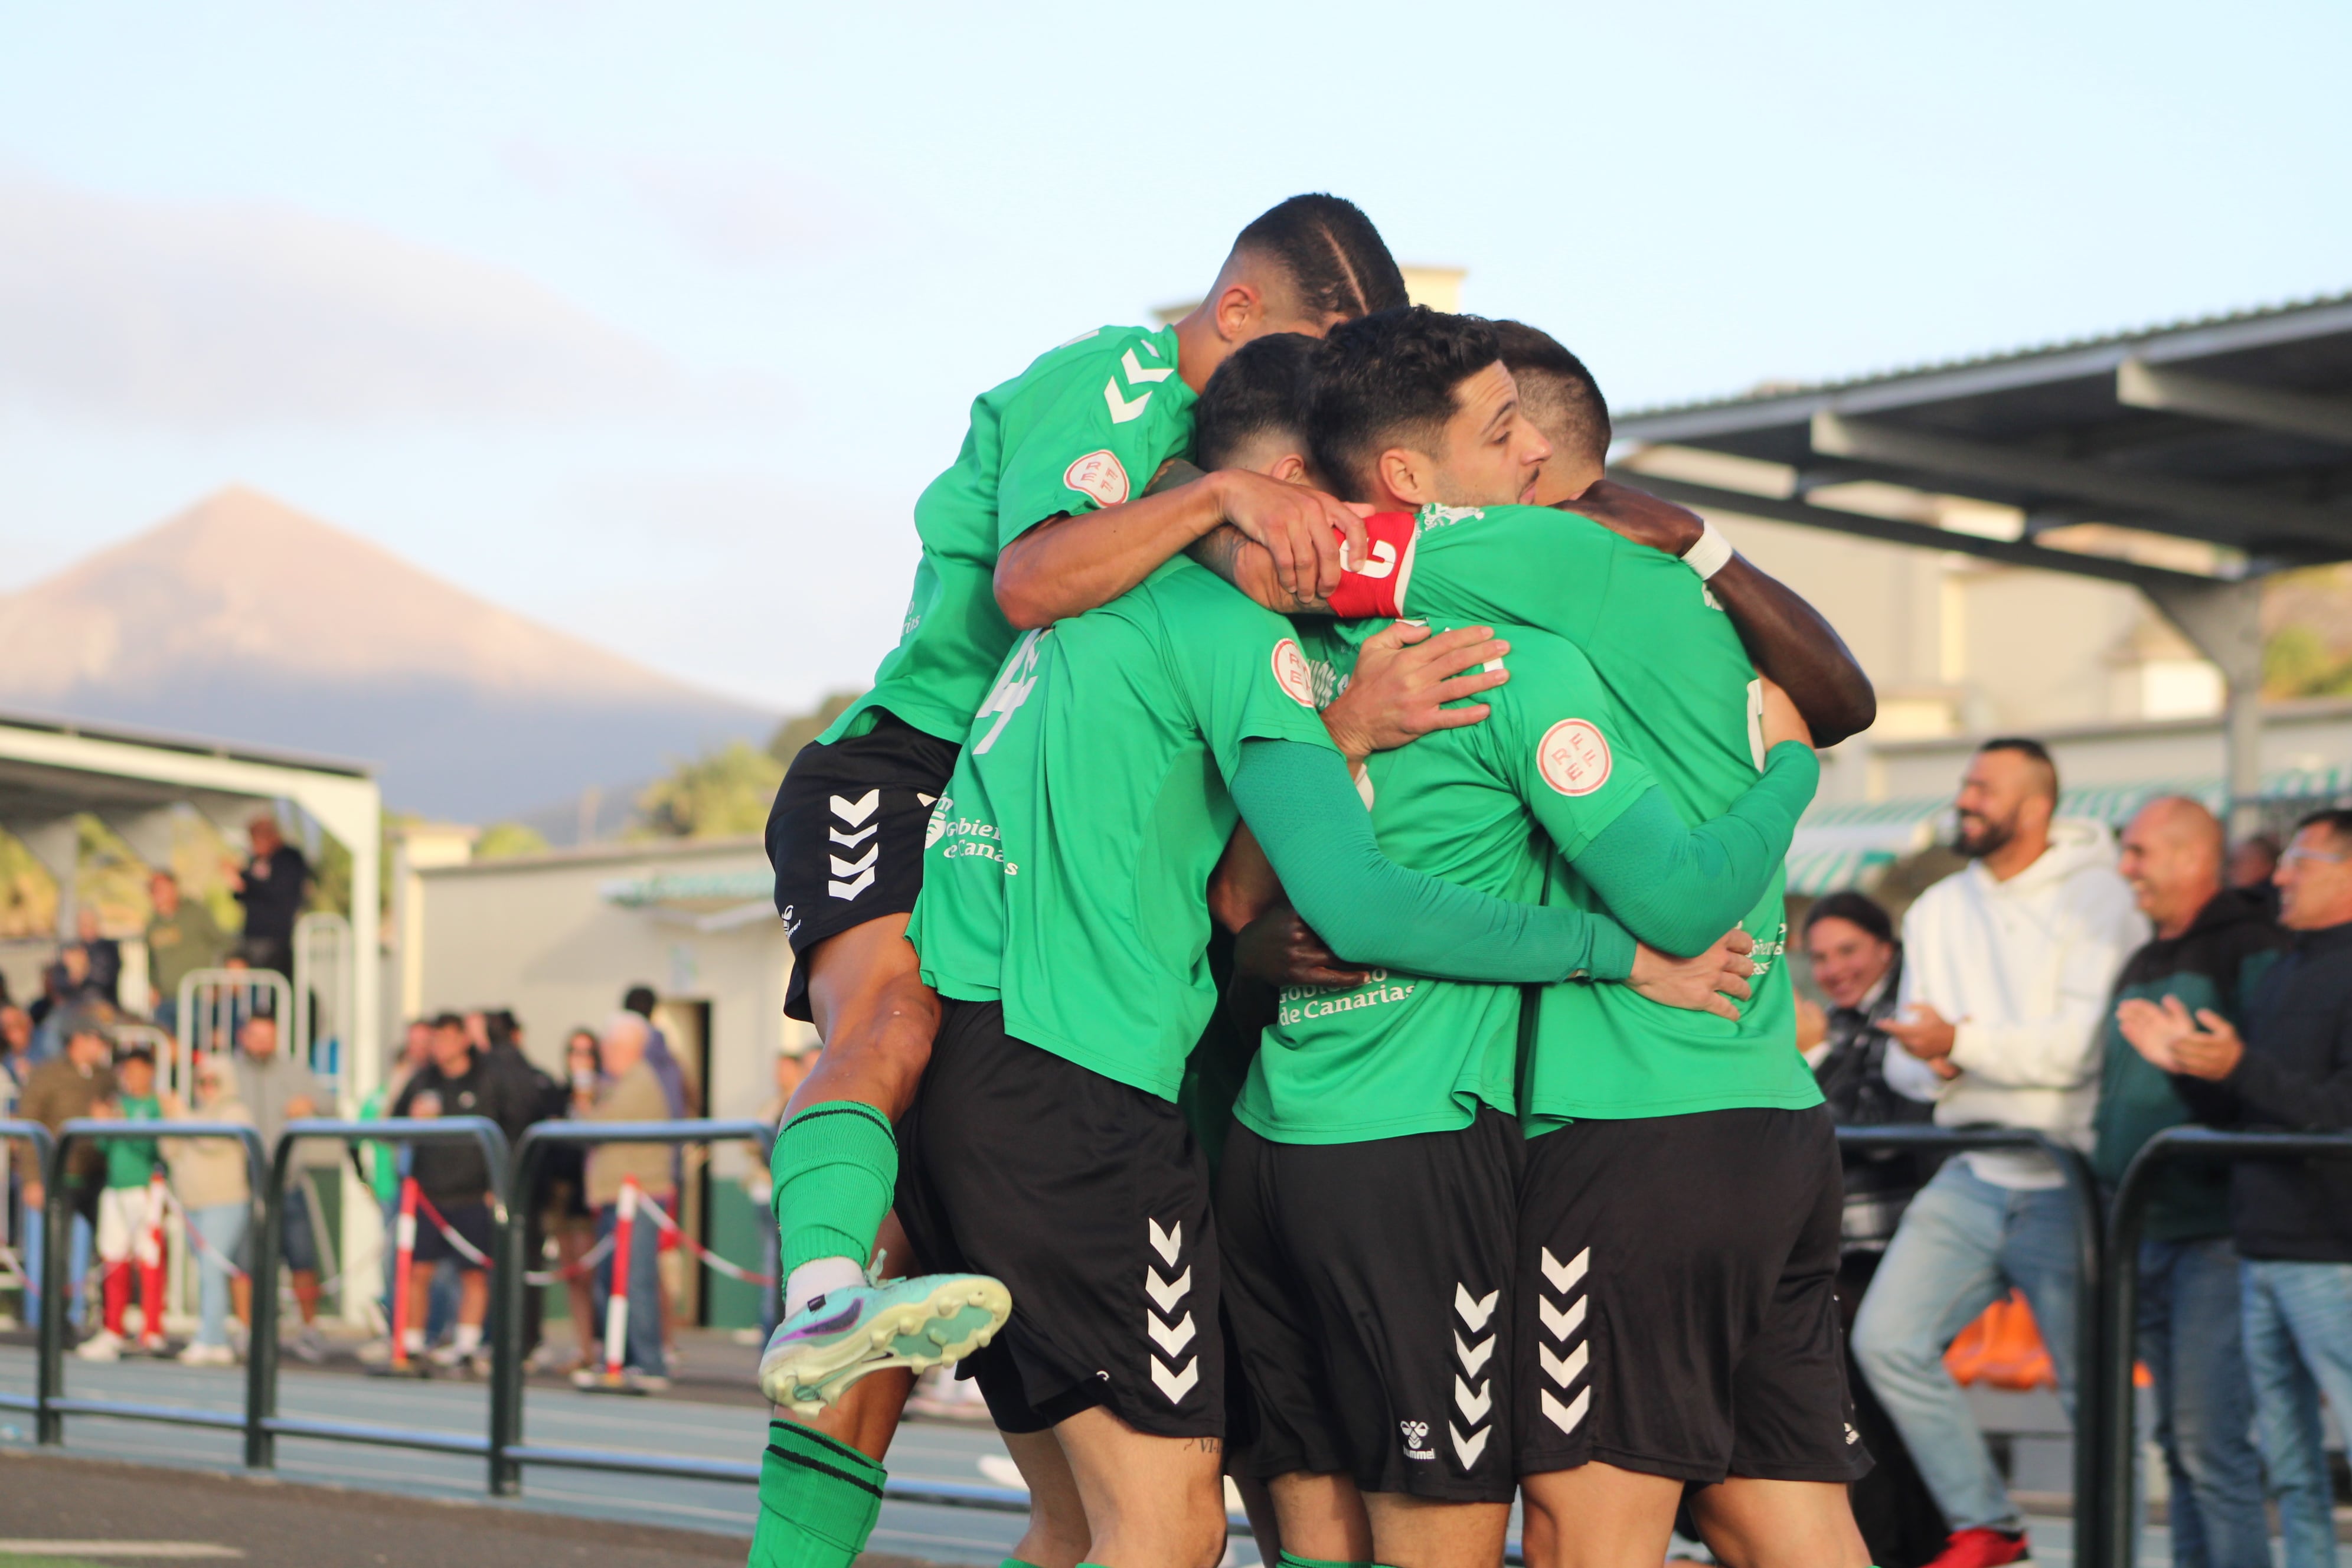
2291, 1070
2212, 946
2007, 967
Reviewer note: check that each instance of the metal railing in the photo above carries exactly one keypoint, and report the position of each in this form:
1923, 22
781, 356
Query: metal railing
2091, 1256
57, 1221
2118, 1532
40, 1137
507, 1451
263, 1425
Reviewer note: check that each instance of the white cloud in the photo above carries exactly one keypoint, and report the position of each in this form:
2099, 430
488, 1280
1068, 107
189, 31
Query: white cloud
216, 315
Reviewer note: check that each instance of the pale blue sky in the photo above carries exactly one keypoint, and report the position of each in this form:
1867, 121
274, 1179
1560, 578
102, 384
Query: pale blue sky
652, 321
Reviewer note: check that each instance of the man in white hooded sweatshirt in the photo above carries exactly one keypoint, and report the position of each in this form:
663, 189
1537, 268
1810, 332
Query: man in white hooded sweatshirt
2007, 968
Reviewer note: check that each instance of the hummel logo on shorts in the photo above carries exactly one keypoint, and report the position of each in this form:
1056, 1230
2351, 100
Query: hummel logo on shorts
1169, 1333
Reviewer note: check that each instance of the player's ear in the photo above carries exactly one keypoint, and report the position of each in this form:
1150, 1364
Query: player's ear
1404, 474
1241, 309
1290, 469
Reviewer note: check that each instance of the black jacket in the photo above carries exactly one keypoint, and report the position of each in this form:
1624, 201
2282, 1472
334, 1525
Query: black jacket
2296, 1076
1879, 1184
272, 894
454, 1173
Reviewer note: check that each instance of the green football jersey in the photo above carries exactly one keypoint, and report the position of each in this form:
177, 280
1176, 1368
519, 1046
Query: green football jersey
1085, 425
1692, 708
1069, 860
1483, 806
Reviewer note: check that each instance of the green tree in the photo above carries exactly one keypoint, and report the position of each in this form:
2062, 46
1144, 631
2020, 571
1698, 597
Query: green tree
717, 794
502, 840
794, 733
2296, 662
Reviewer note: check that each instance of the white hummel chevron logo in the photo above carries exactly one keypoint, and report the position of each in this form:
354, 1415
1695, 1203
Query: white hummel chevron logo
1564, 1416
851, 840
1562, 1276
842, 868
1167, 1243
855, 813
1137, 375
1473, 1357
1558, 1323
1467, 1449
1122, 409
1564, 1370
1474, 1407
1475, 1310
1177, 1384
850, 889
925, 799
1170, 1341
1166, 1293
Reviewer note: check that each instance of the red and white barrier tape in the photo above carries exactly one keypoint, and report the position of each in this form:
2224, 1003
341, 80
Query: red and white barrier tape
709, 1258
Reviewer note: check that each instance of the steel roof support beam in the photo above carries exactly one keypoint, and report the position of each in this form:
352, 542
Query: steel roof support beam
1707, 498
1940, 460
2139, 385
2225, 621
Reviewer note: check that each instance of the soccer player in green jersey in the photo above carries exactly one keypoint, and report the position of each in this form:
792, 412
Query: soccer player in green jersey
1679, 1211
1040, 516
1064, 923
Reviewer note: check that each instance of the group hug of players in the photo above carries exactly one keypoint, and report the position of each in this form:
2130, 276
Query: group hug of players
1312, 617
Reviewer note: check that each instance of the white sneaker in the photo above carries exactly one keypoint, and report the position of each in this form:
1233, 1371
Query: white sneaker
103, 1345
311, 1345
449, 1355
375, 1353
207, 1355
648, 1382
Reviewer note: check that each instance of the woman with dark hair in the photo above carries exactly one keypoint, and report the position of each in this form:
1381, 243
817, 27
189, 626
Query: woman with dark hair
1858, 967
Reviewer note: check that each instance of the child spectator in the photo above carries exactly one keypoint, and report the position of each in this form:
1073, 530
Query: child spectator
210, 1176
128, 1220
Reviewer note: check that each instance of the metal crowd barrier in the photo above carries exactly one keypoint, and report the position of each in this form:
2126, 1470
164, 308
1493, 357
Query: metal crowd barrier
263, 1425
507, 1451
57, 1221
2118, 1534
2091, 1255
37, 1135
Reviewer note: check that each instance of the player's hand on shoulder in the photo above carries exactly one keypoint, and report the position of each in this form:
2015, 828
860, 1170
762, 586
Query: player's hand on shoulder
1782, 719
1402, 680
1640, 516
1282, 949
1302, 529
1714, 981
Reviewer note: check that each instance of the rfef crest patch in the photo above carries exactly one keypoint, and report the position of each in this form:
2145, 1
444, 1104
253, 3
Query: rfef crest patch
1099, 475
1573, 757
1290, 673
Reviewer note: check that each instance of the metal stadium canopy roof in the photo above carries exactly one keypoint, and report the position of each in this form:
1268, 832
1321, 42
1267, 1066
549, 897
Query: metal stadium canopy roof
2235, 430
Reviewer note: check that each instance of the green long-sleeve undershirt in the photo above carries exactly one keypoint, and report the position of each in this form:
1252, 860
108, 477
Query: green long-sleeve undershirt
1304, 809
1679, 888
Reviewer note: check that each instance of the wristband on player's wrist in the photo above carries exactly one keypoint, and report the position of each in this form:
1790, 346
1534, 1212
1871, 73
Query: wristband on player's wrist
1710, 554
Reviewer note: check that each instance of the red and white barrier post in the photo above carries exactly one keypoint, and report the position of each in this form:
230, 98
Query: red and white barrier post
403, 1261
150, 1255
616, 1311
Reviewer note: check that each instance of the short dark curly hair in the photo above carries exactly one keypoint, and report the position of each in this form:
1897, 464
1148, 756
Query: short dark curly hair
1335, 258
1390, 377
1257, 391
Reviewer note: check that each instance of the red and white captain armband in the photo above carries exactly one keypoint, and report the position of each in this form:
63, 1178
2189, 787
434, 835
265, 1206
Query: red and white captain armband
1376, 587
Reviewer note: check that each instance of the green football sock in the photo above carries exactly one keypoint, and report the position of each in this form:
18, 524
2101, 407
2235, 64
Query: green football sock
818, 1501
833, 1170
1016, 1562
1292, 1560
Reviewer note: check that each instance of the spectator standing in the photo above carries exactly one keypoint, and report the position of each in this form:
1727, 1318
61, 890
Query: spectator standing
16, 1055
795, 1057
104, 954
1857, 965
128, 1217
75, 1082
2254, 862
570, 1222
2289, 1070
2212, 944
276, 1089
270, 886
386, 1164
455, 1179
2007, 967
210, 1178
182, 937
630, 1093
